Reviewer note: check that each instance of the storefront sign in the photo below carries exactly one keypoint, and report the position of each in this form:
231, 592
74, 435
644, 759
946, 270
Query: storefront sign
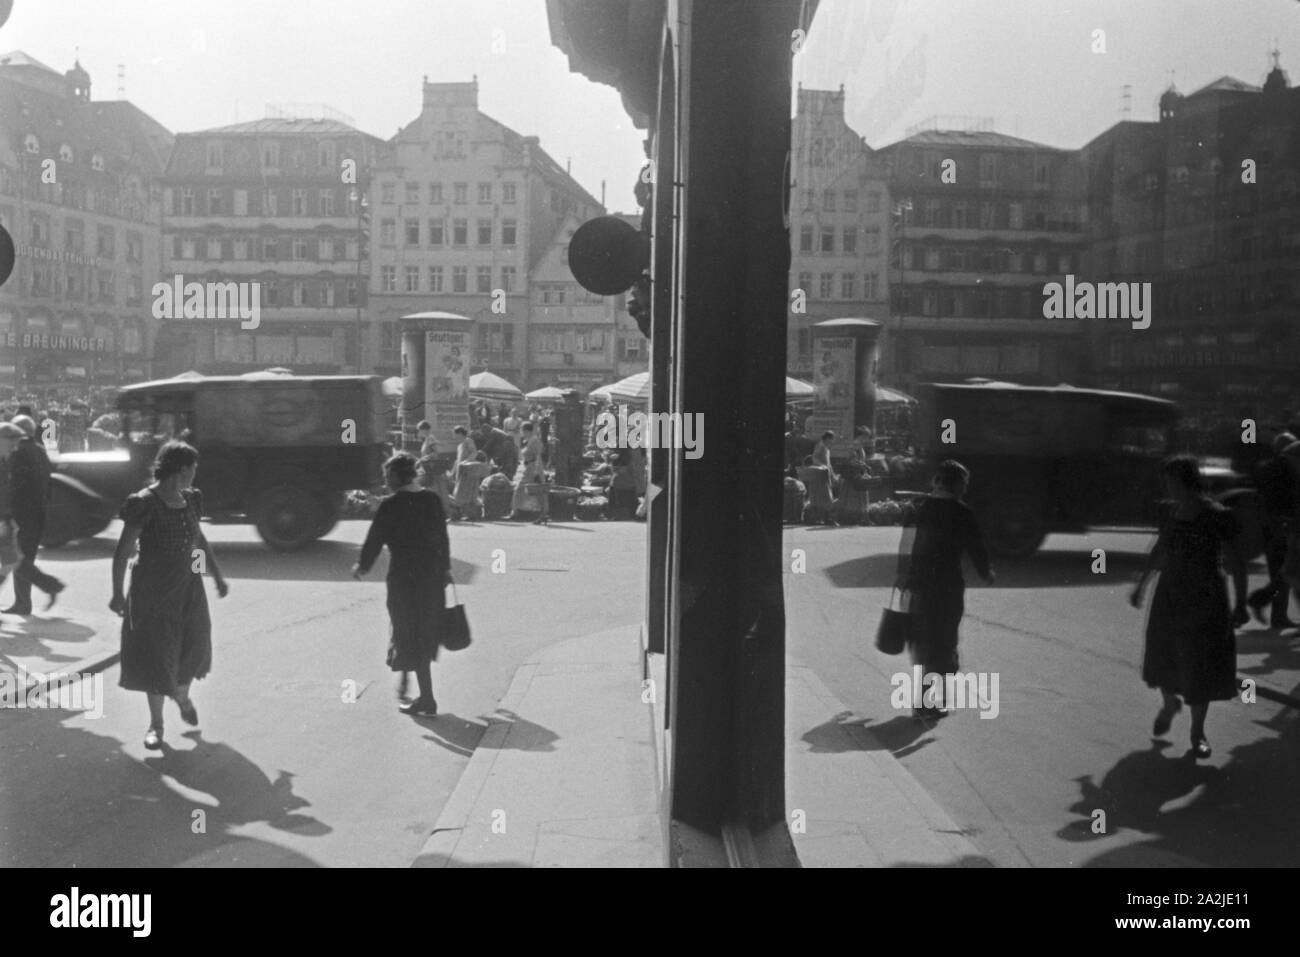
41, 340
55, 255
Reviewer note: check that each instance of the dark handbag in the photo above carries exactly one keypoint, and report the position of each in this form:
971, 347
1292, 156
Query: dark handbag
895, 628
453, 625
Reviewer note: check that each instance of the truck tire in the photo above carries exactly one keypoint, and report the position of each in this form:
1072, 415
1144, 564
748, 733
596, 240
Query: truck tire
332, 509
1016, 524
65, 516
289, 516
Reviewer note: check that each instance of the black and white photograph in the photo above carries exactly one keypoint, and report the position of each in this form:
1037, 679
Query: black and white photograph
652, 434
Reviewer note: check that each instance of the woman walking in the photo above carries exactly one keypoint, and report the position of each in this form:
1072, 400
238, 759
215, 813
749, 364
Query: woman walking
1191, 651
532, 471
166, 629
931, 571
412, 523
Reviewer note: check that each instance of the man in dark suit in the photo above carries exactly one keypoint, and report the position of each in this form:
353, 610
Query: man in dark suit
499, 447
1276, 482
29, 485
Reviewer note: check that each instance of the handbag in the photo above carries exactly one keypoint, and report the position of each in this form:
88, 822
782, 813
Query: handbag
895, 628
453, 625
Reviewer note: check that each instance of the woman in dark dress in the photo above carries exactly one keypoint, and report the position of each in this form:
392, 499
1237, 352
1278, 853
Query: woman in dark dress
412, 523
1191, 651
930, 570
166, 629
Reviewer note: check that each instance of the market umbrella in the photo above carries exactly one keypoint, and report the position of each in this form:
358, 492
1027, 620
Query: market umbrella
545, 394
279, 370
796, 389
189, 376
392, 386
893, 397
635, 388
485, 385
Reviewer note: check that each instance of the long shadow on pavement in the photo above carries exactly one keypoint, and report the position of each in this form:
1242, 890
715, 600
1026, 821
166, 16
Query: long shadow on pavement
847, 731
463, 737
28, 640
319, 561
1235, 814
71, 797
1042, 570
1282, 655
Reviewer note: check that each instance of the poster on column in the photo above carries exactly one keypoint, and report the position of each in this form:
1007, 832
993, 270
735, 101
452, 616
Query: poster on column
834, 370
446, 383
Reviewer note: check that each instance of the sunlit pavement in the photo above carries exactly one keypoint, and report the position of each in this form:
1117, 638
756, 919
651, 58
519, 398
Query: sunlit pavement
286, 771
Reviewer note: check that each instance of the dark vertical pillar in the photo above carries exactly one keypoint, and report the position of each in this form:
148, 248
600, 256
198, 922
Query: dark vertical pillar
728, 652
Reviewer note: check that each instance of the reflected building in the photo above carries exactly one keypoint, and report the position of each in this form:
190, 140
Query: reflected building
1204, 203
80, 196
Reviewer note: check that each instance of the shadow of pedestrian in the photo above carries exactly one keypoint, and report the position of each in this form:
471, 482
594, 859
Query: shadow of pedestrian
325, 560
29, 639
71, 797
1044, 569
849, 732
452, 732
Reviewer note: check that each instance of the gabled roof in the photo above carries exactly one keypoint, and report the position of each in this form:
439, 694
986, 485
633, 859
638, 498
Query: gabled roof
273, 125
971, 138
19, 58
1227, 84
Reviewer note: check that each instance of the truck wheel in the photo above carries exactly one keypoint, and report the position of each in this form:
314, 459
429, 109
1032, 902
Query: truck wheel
288, 517
331, 510
64, 518
1016, 526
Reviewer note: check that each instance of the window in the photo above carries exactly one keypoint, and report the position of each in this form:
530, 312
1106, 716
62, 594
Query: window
1041, 178
241, 202
270, 155
869, 285
214, 249
187, 201
508, 278
327, 293
413, 193
828, 201
509, 229
1016, 216
485, 232
326, 200
412, 232
412, 278
435, 194
388, 232
327, 154
353, 250
1040, 262
240, 249
507, 192
872, 237
214, 155
986, 216
850, 201
31, 143
805, 282
459, 278
988, 169
459, 232
849, 244
299, 293
435, 279
269, 248
873, 202
97, 162
959, 216
300, 202
188, 249
483, 279
460, 193
485, 192
354, 292
388, 278
552, 294
828, 239
629, 347
388, 193
270, 206
848, 285
827, 286
809, 200
435, 232
104, 242
805, 239
300, 249
134, 247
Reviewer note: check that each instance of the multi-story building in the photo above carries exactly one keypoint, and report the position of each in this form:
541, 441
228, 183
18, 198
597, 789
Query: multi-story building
982, 222
79, 195
631, 347
278, 203
1204, 203
839, 225
463, 210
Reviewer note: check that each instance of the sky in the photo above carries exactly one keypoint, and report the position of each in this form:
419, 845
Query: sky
1035, 68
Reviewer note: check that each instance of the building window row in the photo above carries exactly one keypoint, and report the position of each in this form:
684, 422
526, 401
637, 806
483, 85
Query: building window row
834, 201
844, 285
822, 240
413, 279
587, 341
437, 232
306, 248
296, 201
434, 194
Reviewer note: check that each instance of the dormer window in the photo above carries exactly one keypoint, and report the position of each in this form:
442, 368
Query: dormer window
97, 162
31, 143
65, 153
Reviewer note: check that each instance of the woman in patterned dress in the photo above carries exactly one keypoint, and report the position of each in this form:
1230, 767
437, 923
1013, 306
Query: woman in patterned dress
166, 629
1191, 651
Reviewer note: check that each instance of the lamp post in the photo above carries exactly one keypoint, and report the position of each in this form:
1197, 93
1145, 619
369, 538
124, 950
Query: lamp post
358, 198
901, 211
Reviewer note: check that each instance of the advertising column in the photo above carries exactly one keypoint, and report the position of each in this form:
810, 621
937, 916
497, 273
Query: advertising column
436, 359
846, 353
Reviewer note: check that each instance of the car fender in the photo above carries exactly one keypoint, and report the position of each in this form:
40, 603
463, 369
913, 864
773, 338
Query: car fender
78, 486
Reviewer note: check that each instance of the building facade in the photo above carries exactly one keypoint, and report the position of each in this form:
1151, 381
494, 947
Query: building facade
981, 222
463, 211
279, 204
80, 196
839, 225
1204, 203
